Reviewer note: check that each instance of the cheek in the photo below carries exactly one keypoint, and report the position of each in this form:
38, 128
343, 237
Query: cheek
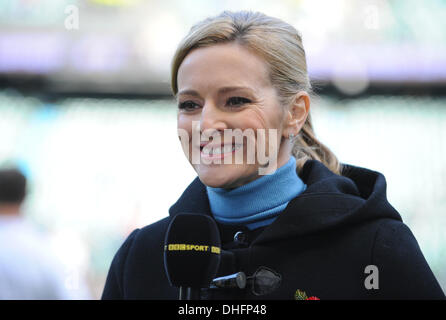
184, 123
187, 126
184, 132
265, 115
253, 119
268, 119
264, 119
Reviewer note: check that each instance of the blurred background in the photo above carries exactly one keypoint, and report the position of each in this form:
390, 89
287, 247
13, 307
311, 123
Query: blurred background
87, 114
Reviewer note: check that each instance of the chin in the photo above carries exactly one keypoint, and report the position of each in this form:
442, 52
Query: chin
223, 176
215, 181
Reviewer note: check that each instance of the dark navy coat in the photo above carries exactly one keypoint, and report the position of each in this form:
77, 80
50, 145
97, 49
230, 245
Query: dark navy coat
321, 244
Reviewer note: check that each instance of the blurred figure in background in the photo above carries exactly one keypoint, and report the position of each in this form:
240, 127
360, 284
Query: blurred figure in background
28, 267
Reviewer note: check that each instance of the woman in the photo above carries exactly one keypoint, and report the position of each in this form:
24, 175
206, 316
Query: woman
318, 227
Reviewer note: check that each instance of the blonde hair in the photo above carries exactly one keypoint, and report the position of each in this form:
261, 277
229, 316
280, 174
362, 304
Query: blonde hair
280, 45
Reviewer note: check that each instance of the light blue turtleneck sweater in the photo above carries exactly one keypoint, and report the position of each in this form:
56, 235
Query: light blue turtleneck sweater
258, 202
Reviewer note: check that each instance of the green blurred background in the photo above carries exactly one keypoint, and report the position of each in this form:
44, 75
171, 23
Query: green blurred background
86, 111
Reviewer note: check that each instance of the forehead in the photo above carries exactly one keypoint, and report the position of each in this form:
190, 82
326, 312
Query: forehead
228, 64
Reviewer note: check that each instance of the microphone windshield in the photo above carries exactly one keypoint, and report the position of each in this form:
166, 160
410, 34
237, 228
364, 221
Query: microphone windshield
192, 250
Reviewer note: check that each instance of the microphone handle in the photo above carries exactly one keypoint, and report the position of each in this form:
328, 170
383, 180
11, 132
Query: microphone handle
183, 293
193, 293
187, 293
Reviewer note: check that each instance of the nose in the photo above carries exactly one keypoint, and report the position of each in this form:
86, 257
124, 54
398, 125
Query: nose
212, 119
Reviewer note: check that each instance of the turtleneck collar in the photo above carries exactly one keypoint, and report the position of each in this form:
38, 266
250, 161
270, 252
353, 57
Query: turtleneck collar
258, 202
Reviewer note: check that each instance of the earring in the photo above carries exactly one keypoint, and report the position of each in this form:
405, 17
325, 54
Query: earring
291, 136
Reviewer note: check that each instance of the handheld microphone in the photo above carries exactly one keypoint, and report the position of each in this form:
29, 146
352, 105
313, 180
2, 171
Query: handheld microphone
191, 253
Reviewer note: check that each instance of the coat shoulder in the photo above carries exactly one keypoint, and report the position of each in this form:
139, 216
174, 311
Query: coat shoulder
403, 269
153, 231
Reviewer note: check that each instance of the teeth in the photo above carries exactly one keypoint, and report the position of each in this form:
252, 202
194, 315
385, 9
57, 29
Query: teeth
219, 150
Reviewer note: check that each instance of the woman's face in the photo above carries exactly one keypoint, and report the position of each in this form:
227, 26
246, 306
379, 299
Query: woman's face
221, 87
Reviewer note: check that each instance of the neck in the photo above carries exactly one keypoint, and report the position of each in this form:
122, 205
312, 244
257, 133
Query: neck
258, 202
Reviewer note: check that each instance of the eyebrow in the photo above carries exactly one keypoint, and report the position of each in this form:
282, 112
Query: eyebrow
220, 91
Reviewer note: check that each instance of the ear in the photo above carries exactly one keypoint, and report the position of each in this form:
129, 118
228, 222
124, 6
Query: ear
296, 114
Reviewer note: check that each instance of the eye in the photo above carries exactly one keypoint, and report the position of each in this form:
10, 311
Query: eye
187, 106
237, 101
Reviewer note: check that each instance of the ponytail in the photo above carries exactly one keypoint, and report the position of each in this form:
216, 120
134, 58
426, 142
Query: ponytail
308, 147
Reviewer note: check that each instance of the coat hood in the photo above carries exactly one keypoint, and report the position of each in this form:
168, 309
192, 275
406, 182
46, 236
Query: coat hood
330, 201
